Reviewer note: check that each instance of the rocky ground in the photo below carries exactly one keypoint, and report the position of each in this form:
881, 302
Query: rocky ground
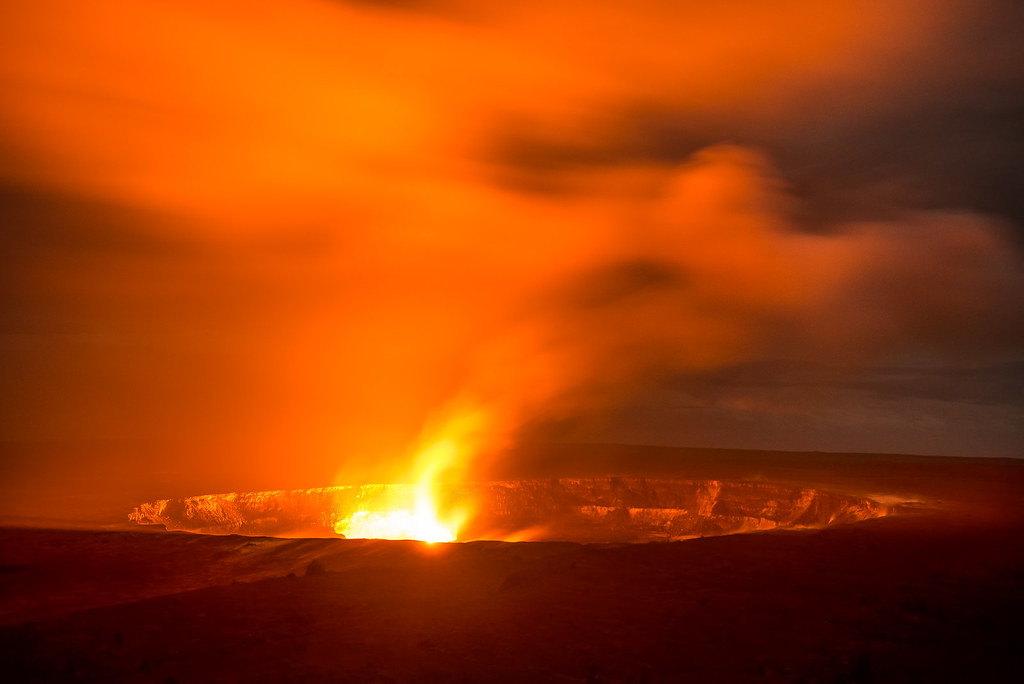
922, 597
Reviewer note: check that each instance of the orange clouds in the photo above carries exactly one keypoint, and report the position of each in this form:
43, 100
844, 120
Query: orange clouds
315, 227
277, 112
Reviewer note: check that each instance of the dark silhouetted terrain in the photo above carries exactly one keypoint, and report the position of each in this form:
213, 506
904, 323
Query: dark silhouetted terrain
932, 595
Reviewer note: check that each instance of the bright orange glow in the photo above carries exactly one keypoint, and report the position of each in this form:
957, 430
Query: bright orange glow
420, 524
421, 519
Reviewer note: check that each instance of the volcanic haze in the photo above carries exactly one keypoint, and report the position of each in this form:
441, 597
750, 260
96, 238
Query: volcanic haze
253, 246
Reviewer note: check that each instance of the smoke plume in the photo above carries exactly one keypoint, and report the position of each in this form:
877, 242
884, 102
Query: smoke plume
281, 244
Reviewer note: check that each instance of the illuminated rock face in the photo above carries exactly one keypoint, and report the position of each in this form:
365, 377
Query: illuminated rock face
292, 512
639, 509
586, 510
296, 512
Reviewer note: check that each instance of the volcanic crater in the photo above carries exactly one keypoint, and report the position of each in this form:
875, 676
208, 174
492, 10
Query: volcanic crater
597, 509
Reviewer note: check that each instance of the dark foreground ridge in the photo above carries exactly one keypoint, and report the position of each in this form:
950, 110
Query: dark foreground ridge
896, 599
935, 596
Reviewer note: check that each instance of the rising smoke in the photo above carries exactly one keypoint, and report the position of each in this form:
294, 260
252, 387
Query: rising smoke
241, 233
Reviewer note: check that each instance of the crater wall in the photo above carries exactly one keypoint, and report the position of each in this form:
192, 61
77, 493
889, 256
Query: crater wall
610, 509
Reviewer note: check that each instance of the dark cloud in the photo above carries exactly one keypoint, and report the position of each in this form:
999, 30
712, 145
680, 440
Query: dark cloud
39, 221
917, 407
960, 152
449, 9
997, 383
942, 133
617, 283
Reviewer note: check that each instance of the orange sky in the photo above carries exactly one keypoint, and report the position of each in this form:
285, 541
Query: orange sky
254, 245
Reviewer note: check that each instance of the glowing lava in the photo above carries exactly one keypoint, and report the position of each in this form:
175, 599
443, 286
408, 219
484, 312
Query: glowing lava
401, 524
422, 520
